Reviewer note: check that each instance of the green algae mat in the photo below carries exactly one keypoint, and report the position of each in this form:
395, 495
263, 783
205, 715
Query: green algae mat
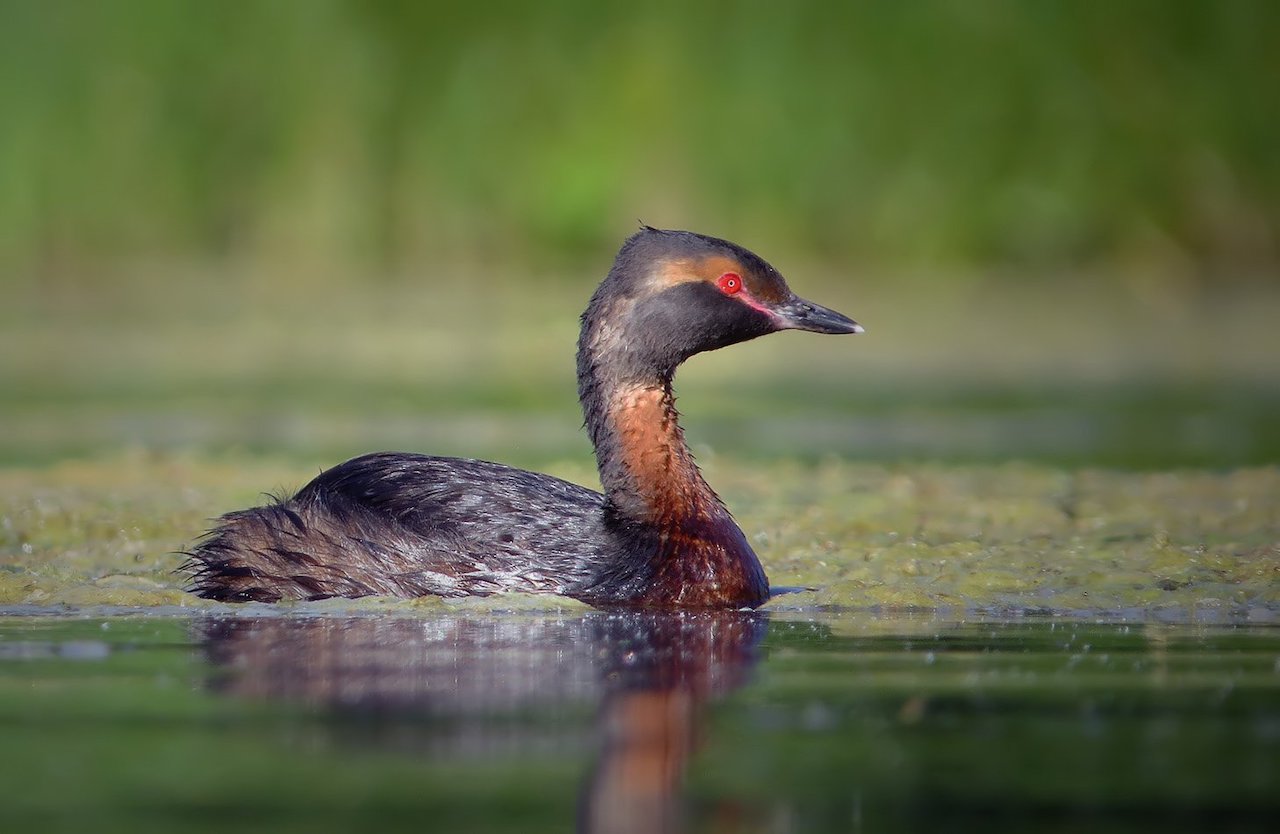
870, 472
958, 538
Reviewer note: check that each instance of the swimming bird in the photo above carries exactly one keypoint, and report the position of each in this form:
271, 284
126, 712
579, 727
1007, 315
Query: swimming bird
410, 525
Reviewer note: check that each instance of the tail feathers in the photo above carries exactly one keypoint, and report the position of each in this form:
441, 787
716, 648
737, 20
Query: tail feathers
276, 552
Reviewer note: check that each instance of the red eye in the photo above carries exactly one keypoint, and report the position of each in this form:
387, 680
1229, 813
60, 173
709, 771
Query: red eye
730, 283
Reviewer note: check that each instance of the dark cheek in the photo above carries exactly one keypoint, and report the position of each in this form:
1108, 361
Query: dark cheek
722, 317
695, 317
736, 326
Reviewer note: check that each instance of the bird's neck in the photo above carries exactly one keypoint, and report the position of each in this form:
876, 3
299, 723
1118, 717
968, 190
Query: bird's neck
697, 556
646, 468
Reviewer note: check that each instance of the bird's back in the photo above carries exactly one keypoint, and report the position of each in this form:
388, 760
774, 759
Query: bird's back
408, 525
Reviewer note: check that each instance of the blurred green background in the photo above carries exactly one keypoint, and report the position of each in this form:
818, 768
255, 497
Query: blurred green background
1052, 134
323, 226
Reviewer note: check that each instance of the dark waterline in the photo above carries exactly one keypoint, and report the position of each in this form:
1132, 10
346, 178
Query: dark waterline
637, 722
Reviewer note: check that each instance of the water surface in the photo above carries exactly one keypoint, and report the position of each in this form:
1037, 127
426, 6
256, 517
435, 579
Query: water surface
754, 722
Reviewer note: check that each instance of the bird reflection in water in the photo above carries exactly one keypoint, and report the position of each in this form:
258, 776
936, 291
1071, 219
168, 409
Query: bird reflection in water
649, 674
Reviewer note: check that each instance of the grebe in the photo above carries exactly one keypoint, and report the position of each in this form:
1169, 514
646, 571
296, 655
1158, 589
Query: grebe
412, 525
